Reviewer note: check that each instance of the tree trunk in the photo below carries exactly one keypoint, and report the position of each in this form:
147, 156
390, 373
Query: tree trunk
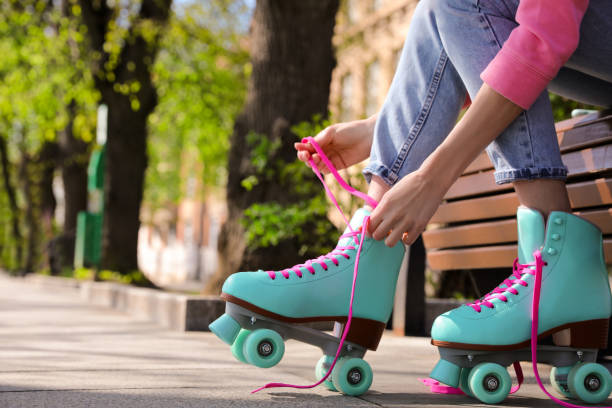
126, 156
30, 217
12, 198
45, 164
292, 58
36, 173
74, 155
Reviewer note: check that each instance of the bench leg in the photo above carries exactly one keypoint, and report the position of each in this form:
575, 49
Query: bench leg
409, 306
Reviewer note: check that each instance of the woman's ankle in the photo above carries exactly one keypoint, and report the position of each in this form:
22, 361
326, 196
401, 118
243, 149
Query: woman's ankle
377, 189
543, 195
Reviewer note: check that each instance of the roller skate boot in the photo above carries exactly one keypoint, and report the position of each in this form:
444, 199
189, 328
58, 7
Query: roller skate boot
352, 286
559, 288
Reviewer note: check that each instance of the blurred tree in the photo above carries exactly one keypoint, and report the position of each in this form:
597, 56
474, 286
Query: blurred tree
200, 75
292, 58
124, 39
38, 82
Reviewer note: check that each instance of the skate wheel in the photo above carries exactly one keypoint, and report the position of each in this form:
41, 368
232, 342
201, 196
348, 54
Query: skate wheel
558, 380
463, 381
321, 369
591, 382
237, 346
352, 376
263, 348
489, 382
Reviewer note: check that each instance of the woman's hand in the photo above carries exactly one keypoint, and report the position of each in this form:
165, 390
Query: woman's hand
409, 205
345, 144
406, 209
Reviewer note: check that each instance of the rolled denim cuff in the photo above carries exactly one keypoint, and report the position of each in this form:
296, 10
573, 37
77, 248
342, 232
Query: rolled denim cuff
380, 170
530, 173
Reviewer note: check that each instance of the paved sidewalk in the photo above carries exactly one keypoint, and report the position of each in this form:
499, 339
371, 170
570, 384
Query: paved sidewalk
55, 351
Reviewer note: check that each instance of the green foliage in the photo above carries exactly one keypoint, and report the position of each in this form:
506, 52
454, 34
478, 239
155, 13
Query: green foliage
270, 223
305, 222
200, 74
41, 76
82, 273
562, 107
136, 278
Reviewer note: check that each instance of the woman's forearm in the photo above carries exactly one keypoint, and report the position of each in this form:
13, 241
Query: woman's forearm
488, 116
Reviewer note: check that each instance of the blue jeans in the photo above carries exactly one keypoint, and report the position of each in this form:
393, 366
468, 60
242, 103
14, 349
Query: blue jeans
449, 44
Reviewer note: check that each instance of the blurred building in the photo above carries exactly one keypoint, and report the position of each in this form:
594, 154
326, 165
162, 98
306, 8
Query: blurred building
177, 244
369, 36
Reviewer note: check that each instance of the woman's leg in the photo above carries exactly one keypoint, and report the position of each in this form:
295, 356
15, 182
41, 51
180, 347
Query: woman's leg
544, 195
377, 188
448, 45
587, 78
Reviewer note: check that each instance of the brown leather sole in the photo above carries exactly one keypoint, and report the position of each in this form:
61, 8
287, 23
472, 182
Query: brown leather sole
589, 334
365, 332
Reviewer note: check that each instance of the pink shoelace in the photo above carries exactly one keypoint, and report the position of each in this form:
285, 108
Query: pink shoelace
339, 251
332, 256
498, 293
518, 270
535, 306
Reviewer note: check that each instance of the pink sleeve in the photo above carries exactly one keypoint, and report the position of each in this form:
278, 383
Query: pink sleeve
547, 35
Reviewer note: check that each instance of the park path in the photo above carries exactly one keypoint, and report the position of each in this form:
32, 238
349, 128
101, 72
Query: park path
57, 351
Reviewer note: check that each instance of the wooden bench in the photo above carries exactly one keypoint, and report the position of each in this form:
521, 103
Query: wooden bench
475, 227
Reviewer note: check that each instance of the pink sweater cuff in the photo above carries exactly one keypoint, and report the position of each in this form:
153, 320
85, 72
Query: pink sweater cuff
511, 76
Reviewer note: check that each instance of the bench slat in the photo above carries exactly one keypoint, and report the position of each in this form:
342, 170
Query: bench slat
496, 232
573, 122
583, 194
498, 256
481, 163
591, 132
595, 160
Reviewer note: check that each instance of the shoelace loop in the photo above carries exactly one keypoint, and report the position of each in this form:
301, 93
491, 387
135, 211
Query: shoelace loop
518, 271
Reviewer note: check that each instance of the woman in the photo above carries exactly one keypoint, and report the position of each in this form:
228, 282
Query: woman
503, 54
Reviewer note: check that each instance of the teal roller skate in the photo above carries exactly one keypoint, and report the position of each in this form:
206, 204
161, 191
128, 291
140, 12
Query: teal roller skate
560, 263
352, 286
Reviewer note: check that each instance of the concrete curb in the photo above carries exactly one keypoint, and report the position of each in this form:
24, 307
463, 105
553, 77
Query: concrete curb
55, 282
171, 310
178, 311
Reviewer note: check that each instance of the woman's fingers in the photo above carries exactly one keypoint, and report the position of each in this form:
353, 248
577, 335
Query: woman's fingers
381, 230
299, 146
394, 237
303, 156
